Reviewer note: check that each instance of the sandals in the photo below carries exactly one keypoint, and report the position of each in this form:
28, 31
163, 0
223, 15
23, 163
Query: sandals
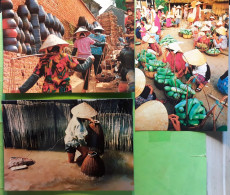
199, 88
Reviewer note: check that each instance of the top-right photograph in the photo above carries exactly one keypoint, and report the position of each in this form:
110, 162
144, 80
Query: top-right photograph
181, 60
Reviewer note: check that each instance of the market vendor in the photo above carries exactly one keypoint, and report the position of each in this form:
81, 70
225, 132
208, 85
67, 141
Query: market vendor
222, 84
98, 51
82, 46
154, 40
199, 68
143, 30
76, 132
168, 21
55, 66
220, 39
203, 39
191, 16
173, 55
157, 21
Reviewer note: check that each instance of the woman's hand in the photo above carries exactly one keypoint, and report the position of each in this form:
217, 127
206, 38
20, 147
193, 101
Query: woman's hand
151, 89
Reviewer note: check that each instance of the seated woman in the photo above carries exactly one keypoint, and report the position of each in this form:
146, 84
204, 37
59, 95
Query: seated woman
152, 41
222, 84
202, 37
143, 30
173, 55
220, 39
198, 67
145, 96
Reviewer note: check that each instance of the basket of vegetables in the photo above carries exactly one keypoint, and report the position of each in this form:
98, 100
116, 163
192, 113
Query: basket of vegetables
163, 77
187, 33
176, 91
213, 52
192, 114
152, 66
167, 40
202, 47
145, 56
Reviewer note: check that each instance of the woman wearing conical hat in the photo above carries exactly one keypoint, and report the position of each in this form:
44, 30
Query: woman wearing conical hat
77, 137
173, 55
82, 47
97, 51
220, 39
202, 37
55, 66
198, 67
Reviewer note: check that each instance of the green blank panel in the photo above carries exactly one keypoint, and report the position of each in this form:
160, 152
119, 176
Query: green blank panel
169, 163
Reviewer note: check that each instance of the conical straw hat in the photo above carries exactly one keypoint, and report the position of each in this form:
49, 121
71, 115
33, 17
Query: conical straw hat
178, 7
205, 28
98, 28
198, 3
83, 110
160, 7
221, 31
174, 46
53, 40
151, 116
140, 82
82, 29
194, 57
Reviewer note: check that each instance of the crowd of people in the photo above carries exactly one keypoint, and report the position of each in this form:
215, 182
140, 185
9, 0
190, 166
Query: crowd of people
206, 32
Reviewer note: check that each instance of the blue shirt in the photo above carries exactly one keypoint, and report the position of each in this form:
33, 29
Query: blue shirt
97, 50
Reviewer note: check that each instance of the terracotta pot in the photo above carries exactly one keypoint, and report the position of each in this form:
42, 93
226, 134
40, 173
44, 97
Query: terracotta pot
23, 11
47, 21
41, 14
26, 24
10, 33
32, 40
51, 20
19, 34
28, 49
33, 6
44, 31
20, 23
35, 21
6, 4
22, 40
12, 48
19, 46
9, 41
8, 13
27, 36
9, 23
24, 51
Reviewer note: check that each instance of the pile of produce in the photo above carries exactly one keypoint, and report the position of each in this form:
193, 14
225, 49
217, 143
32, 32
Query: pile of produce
153, 65
213, 51
194, 114
145, 56
167, 40
202, 46
186, 31
164, 76
178, 90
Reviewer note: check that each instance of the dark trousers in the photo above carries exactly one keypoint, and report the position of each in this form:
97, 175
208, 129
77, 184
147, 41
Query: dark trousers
85, 76
97, 67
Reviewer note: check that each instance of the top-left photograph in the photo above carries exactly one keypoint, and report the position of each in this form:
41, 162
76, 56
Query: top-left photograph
71, 46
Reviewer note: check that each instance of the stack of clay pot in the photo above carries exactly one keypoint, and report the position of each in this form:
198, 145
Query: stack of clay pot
34, 10
24, 14
9, 27
42, 18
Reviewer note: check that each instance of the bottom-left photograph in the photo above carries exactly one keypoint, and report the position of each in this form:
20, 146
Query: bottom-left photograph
68, 145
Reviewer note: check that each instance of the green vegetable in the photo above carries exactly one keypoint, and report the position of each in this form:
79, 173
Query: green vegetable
167, 88
183, 96
151, 69
194, 110
181, 104
176, 96
177, 90
160, 81
186, 87
199, 116
181, 115
178, 82
170, 93
181, 109
193, 122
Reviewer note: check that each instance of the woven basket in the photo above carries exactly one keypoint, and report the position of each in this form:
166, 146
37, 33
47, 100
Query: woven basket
187, 36
212, 54
149, 74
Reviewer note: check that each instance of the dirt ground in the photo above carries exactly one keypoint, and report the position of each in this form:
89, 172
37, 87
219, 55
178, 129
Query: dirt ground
218, 65
52, 172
